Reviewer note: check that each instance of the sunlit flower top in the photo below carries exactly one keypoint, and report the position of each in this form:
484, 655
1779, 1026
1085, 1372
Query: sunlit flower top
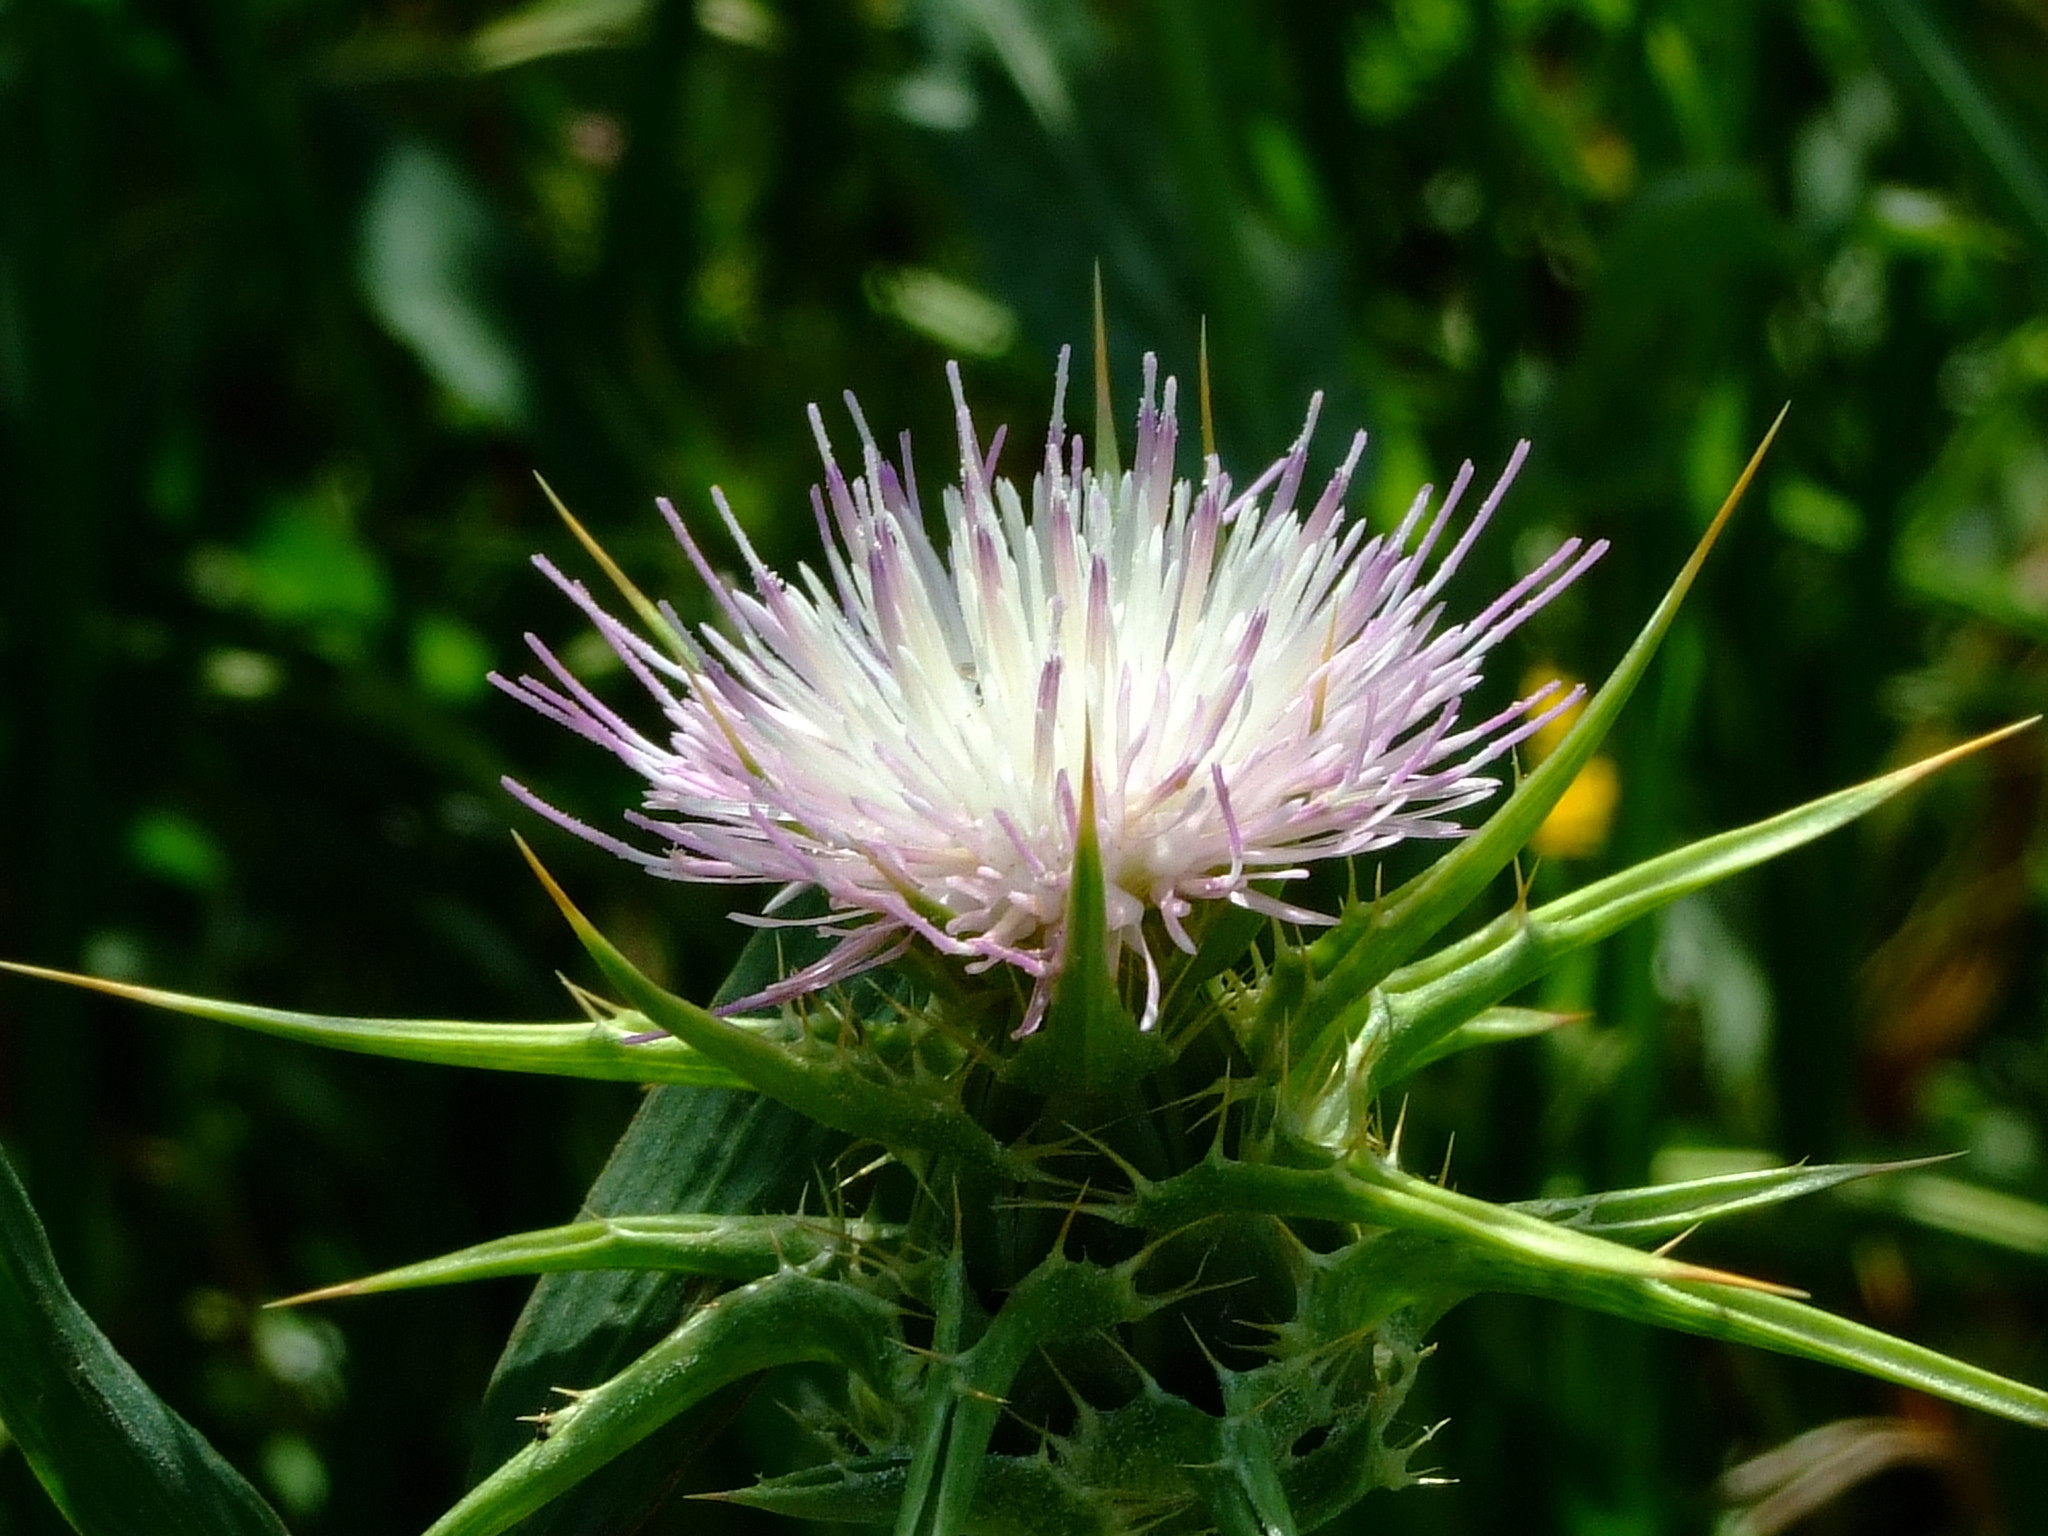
1253, 688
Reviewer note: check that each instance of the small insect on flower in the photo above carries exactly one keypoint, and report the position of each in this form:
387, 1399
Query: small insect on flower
1248, 687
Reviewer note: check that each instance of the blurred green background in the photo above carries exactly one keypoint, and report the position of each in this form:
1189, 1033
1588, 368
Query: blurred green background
297, 295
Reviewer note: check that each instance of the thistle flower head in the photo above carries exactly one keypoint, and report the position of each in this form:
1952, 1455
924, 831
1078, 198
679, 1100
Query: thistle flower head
1245, 686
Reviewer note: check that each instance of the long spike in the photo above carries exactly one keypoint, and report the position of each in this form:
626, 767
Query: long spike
1208, 413
649, 612
1732, 500
1107, 460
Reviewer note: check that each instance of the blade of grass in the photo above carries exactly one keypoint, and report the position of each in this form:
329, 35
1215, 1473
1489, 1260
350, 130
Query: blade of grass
111, 1454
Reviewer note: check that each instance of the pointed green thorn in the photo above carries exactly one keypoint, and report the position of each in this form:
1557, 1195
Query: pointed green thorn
725, 1247
901, 1116
596, 1048
648, 611
1666, 1210
1089, 1047
1208, 407
1108, 461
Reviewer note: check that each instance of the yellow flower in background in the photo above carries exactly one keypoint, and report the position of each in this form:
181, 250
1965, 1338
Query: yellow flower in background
1577, 828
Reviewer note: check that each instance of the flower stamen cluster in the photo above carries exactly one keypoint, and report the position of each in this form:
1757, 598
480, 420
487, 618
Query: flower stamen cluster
1251, 687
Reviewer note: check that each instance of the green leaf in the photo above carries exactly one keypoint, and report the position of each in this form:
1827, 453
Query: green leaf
724, 1247
1433, 998
1232, 1510
116, 1460
549, 28
593, 1048
430, 245
901, 1116
1666, 1209
789, 1318
1246, 1485
1449, 1245
1374, 937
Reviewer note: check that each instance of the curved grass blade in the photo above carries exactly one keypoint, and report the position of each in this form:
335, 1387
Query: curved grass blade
1666, 1209
113, 1457
723, 1247
1374, 937
1434, 997
591, 1048
897, 1115
787, 1319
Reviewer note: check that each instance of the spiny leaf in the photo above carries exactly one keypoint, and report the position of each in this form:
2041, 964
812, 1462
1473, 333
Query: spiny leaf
590, 1049
1367, 1192
1375, 937
687, 1150
785, 1319
1232, 1510
1664, 1209
1451, 1246
1434, 997
1250, 1467
899, 1116
952, 1303
727, 1247
1058, 1300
